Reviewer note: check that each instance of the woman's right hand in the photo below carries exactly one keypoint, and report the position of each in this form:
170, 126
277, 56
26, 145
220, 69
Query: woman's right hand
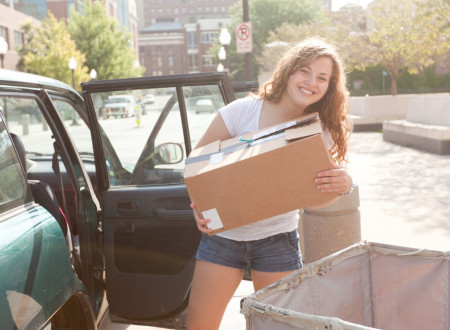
202, 224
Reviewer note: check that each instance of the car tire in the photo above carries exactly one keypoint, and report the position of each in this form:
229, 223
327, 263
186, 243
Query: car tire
75, 314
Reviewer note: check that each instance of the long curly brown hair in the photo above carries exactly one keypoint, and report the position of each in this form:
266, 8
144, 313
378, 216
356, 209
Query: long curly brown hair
333, 107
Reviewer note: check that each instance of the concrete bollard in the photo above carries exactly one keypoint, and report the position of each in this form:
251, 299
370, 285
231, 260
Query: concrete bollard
330, 229
25, 124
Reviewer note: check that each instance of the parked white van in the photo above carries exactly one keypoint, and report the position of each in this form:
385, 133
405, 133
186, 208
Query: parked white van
120, 106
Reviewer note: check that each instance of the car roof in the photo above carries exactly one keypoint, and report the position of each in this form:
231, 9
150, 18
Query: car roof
12, 77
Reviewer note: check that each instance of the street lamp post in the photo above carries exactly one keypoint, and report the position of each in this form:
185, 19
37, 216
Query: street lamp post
72, 67
220, 67
222, 57
225, 40
93, 74
3, 49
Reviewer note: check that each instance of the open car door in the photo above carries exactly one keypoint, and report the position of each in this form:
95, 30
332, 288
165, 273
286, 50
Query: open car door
149, 233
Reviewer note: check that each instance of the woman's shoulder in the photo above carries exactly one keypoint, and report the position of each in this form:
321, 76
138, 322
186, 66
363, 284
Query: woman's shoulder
242, 105
240, 114
250, 99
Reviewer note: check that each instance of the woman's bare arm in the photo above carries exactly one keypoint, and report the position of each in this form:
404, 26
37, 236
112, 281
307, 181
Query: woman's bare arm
217, 130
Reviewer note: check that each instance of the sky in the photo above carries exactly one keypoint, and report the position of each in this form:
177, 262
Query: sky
337, 4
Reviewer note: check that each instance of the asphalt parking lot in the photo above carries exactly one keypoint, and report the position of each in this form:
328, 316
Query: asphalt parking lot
404, 200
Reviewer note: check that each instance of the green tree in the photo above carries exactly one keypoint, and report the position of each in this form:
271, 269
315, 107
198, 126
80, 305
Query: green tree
49, 53
344, 29
107, 48
28, 32
265, 16
407, 35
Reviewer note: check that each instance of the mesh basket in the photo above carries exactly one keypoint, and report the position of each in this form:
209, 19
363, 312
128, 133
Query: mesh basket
365, 286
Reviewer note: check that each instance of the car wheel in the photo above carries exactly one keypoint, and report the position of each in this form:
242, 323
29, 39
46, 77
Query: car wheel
75, 314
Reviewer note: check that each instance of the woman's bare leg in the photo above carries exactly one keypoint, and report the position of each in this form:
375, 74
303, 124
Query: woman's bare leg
212, 288
263, 279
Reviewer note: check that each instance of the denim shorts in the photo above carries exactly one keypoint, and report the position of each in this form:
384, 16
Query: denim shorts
278, 253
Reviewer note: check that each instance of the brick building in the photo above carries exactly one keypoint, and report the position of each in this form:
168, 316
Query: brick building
175, 35
15, 13
11, 22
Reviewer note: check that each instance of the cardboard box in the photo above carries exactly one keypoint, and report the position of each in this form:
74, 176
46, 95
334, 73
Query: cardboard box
259, 175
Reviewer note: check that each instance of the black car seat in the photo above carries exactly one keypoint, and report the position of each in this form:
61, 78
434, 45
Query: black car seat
42, 192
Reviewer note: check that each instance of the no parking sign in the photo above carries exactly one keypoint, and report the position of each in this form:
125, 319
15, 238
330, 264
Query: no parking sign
244, 43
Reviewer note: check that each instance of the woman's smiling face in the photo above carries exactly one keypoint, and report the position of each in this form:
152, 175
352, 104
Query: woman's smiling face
309, 84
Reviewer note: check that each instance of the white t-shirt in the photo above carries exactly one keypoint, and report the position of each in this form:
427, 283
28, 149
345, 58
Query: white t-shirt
240, 117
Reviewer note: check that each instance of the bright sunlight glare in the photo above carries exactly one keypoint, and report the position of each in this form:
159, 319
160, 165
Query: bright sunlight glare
337, 4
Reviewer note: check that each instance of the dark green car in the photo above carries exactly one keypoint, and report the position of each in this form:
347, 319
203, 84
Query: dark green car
94, 213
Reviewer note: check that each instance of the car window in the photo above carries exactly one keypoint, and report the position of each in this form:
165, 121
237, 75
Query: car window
13, 186
24, 117
76, 127
149, 141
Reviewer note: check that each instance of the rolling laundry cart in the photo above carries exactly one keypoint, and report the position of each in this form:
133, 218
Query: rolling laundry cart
365, 286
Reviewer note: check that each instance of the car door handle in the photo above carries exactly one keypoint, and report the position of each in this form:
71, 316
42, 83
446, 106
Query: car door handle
128, 208
165, 214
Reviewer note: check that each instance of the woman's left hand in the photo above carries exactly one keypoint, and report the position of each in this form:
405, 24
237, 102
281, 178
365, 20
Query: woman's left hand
336, 180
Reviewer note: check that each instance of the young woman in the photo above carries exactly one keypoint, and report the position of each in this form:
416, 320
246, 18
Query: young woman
309, 78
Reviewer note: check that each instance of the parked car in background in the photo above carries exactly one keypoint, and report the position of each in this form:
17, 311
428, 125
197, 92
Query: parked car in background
204, 105
149, 99
120, 106
147, 102
115, 232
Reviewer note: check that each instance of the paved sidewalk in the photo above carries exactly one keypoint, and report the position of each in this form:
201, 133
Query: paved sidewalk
404, 193
404, 200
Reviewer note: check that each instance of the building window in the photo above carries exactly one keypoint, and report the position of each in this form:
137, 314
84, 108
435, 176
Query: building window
156, 62
209, 37
207, 60
18, 39
170, 61
4, 33
191, 40
192, 58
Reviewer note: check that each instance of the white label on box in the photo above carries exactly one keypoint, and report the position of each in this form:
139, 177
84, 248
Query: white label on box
274, 129
216, 158
212, 214
272, 137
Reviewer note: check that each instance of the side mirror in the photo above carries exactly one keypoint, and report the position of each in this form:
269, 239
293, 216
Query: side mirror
169, 153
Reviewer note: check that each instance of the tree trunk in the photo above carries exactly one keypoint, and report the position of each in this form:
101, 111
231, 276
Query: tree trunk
394, 85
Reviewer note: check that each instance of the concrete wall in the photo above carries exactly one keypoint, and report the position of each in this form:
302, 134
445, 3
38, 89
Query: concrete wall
426, 127
430, 110
381, 107
369, 112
